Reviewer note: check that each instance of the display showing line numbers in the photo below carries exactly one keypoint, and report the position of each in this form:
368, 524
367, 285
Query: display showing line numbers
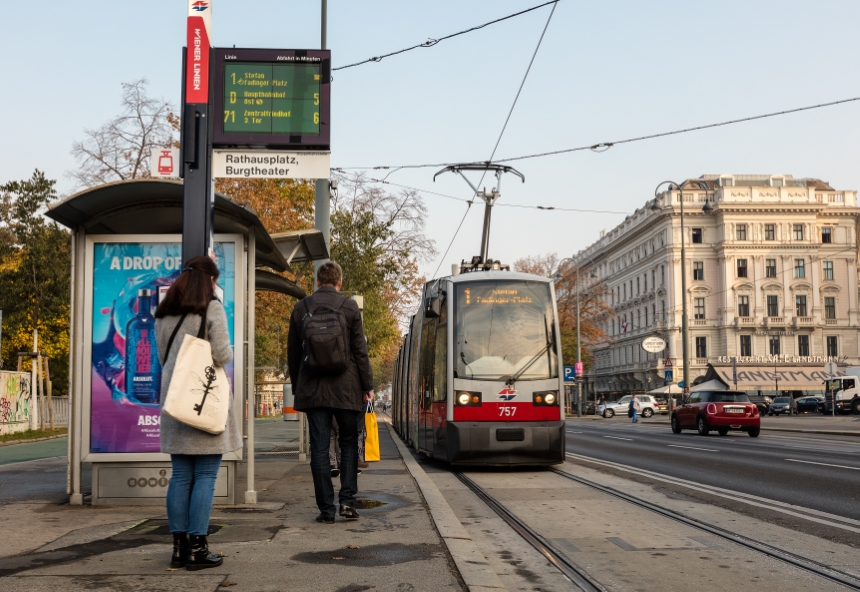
271, 98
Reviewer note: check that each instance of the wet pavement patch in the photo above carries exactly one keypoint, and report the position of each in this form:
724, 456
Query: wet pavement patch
367, 504
370, 556
377, 501
383, 471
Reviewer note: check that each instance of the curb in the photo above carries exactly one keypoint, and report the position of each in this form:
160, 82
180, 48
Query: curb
470, 562
796, 430
11, 442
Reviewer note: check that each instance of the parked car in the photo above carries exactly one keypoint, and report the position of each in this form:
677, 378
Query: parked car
762, 402
647, 406
662, 405
782, 405
811, 403
704, 411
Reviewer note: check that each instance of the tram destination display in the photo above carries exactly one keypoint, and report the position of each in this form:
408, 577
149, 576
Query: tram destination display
272, 98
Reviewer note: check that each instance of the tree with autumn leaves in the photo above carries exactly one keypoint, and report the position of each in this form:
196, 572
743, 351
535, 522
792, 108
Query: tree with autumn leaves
592, 303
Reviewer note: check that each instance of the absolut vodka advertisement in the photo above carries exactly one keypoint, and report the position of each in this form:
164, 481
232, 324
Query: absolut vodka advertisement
129, 280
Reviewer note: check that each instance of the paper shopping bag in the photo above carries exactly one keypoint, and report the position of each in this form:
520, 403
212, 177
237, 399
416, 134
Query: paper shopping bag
371, 444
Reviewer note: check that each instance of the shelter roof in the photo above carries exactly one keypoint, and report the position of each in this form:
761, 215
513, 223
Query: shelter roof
154, 206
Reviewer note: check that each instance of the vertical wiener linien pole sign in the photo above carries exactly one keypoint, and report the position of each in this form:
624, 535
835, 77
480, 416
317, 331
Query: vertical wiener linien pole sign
198, 203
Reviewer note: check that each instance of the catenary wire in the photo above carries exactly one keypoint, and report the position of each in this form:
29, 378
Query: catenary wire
603, 146
432, 42
502, 133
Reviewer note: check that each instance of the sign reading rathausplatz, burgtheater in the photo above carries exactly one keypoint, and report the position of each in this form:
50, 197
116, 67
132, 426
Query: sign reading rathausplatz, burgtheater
770, 373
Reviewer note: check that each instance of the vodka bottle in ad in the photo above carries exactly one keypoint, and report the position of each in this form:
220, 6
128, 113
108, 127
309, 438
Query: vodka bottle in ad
142, 368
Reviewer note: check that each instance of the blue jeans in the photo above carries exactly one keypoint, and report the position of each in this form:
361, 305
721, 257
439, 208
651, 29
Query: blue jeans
191, 491
634, 415
319, 426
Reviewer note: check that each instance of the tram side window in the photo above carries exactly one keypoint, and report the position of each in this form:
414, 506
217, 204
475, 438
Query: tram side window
428, 357
440, 368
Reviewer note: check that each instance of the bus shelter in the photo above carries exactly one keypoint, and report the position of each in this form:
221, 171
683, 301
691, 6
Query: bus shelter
126, 252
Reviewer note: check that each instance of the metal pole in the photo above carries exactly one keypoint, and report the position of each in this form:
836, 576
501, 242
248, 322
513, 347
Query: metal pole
322, 197
250, 398
685, 345
578, 347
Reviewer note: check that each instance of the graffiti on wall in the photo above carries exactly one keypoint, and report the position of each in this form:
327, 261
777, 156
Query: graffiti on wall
14, 402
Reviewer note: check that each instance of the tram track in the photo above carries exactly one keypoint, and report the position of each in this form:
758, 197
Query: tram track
586, 582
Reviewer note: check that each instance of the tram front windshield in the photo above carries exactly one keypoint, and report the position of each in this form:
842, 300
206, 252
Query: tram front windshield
504, 329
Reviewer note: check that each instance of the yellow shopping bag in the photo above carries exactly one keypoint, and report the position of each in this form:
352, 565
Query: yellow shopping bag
371, 444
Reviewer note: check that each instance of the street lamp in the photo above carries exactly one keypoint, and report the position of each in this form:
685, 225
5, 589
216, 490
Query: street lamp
684, 335
578, 337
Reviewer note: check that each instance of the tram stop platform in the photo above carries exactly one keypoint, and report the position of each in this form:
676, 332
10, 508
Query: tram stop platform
406, 540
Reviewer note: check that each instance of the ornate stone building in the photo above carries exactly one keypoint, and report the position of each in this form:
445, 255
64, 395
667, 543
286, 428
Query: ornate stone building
771, 279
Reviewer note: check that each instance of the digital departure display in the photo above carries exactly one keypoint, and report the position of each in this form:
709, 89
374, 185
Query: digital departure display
490, 295
277, 98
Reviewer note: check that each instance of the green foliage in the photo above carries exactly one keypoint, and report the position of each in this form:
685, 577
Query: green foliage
35, 274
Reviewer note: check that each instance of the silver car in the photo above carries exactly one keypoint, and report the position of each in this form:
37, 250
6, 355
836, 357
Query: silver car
647, 406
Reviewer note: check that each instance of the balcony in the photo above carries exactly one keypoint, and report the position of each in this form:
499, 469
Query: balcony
804, 321
831, 321
775, 321
700, 322
745, 321
700, 361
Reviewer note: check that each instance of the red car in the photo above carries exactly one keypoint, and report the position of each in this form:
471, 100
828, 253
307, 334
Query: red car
704, 411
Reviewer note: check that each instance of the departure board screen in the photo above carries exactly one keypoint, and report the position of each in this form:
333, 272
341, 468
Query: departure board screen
272, 97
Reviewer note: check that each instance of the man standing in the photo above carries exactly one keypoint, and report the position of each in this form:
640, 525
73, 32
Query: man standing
331, 377
634, 408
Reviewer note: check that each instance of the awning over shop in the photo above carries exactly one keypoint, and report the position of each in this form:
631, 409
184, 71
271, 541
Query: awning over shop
796, 377
710, 385
671, 389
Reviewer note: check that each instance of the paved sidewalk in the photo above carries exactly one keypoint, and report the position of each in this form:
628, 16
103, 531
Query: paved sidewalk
275, 545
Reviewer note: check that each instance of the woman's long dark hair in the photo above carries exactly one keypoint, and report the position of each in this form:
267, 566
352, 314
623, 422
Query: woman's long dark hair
192, 290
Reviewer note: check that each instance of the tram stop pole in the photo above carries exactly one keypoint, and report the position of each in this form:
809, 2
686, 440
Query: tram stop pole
322, 197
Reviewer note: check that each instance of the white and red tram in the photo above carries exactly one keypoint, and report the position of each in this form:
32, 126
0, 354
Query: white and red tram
477, 379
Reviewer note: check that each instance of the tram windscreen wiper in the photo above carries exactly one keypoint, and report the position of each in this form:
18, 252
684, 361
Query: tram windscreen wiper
466, 364
510, 381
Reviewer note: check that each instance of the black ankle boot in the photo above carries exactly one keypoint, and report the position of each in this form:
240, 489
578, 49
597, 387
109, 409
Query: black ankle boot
181, 549
200, 557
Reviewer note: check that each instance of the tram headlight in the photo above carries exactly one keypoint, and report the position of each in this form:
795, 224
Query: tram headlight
467, 398
545, 398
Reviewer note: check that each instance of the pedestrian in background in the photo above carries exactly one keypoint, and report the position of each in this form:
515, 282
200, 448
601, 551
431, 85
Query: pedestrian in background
331, 376
634, 408
194, 454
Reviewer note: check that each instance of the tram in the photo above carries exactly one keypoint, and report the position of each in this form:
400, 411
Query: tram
477, 380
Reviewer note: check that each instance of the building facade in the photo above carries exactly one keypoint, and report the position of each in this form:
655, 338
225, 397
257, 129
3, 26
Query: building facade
772, 280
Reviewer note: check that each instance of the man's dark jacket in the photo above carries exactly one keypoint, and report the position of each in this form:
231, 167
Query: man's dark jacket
338, 391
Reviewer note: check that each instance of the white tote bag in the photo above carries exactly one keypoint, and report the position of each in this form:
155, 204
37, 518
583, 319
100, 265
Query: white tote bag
199, 393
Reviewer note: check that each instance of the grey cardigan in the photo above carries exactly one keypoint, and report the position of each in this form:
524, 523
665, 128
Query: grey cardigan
177, 437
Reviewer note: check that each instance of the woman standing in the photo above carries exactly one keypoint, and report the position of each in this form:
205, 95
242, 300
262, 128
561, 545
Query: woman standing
194, 454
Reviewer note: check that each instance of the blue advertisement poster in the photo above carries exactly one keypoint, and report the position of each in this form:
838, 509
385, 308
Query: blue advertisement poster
129, 280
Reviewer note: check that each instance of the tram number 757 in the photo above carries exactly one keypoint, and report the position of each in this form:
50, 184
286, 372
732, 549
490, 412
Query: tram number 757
507, 411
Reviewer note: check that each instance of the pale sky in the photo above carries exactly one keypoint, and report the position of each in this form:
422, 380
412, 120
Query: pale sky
605, 71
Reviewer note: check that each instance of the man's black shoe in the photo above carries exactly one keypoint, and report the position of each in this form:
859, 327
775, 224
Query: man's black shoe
326, 519
335, 472
349, 512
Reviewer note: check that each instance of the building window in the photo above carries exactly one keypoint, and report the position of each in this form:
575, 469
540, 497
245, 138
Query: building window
800, 306
826, 235
770, 268
662, 275
830, 307
773, 306
769, 232
828, 270
697, 235
645, 281
646, 316
654, 312
741, 232
742, 268
698, 308
639, 318
799, 268
624, 286
773, 343
701, 347
698, 270
797, 229
746, 345
637, 287
832, 350
803, 345
653, 280
743, 306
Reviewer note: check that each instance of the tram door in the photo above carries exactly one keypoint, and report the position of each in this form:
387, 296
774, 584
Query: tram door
426, 383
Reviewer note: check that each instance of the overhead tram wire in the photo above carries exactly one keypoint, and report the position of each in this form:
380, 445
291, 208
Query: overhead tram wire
432, 42
504, 205
502, 133
604, 146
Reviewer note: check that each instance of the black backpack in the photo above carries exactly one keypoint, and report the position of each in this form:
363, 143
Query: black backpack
325, 339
